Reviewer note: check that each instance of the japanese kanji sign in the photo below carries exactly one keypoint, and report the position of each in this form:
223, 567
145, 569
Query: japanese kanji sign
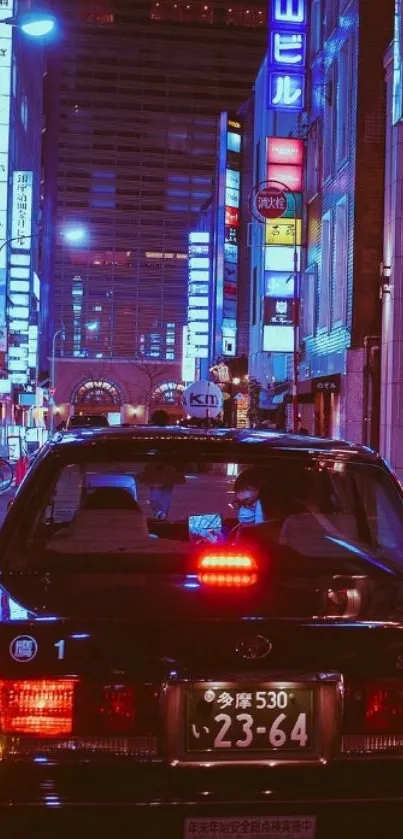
22, 210
268, 202
287, 55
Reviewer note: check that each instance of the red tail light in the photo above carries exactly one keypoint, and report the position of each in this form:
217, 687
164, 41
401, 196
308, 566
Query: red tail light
37, 707
373, 716
227, 569
67, 707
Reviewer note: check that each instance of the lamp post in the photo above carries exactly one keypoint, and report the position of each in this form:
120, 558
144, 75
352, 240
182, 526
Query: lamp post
56, 334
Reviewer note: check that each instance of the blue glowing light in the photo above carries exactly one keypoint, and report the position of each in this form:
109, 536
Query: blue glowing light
39, 27
75, 235
191, 582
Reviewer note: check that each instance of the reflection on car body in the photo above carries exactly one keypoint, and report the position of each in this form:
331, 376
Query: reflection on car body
260, 649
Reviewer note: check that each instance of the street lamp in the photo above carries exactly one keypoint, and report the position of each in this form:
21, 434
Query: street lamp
35, 24
92, 327
74, 235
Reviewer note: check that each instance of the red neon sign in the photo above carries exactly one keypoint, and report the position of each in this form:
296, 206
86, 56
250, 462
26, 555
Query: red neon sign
289, 176
285, 150
231, 217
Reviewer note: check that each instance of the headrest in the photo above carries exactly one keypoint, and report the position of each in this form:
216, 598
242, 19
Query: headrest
110, 498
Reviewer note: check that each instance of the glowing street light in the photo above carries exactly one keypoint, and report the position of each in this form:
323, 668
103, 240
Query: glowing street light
74, 235
92, 327
35, 24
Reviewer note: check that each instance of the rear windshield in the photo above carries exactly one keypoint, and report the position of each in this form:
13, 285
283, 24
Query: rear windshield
159, 506
93, 422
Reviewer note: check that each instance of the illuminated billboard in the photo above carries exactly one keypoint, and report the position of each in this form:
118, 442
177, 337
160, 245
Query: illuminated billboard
288, 150
22, 210
289, 176
228, 237
199, 290
283, 239
283, 232
7, 10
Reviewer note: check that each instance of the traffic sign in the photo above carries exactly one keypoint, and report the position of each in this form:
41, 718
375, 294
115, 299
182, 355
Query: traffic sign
268, 202
203, 400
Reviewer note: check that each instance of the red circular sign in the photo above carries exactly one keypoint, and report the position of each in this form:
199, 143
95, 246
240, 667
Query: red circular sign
269, 202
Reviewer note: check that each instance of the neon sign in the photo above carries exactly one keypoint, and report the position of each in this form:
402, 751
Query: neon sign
283, 241
287, 55
197, 331
6, 11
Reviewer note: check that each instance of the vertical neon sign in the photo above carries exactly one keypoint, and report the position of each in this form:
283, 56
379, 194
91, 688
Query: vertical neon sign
6, 11
287, 55
228, 236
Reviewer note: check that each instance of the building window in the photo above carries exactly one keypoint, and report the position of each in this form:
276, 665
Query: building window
309, 300
326, 273
313, 160
316, 28
24, 112
329, 123
343, 104
340, 280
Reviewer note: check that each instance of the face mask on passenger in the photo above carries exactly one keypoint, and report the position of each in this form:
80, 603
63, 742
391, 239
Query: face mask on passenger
250, 515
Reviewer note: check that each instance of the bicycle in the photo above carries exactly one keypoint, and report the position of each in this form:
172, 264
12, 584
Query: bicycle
6, 474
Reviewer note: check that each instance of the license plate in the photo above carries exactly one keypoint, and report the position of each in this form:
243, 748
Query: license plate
294, 827
249, 719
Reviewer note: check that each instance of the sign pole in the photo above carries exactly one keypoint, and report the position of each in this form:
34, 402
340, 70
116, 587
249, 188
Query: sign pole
263, 194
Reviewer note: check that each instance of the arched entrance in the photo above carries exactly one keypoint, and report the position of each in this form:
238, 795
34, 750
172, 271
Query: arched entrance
97, 396
168, 396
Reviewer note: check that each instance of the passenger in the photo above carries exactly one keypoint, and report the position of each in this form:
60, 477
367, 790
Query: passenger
277, 504
246, 502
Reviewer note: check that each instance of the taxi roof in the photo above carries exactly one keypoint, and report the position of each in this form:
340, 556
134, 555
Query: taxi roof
208, 439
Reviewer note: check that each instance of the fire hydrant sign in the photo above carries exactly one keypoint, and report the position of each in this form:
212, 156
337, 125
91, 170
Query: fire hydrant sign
203, 400
269, 202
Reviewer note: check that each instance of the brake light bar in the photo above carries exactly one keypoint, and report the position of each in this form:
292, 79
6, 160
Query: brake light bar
230, 569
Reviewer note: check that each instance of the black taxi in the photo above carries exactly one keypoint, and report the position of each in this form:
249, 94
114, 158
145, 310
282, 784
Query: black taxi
201, 634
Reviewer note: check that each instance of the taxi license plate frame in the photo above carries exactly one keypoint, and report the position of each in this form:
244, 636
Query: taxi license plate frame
260, 718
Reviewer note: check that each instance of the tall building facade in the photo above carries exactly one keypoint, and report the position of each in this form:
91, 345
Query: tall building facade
21, 84
391, 274
344, 184
133, 103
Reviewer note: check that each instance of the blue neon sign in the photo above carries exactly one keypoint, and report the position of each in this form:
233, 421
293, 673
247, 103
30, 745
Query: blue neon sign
287, 55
